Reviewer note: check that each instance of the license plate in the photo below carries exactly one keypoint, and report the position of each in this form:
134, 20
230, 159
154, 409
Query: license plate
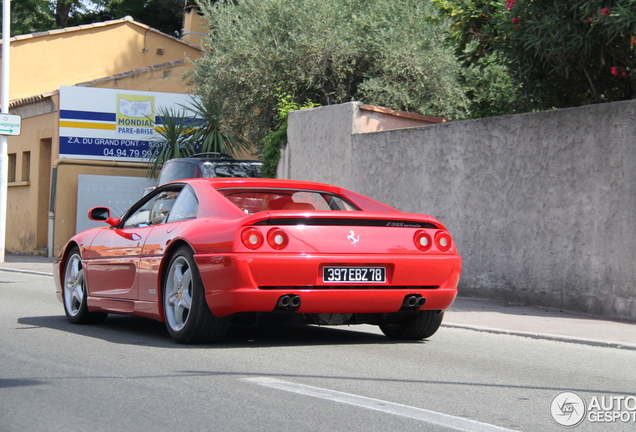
353, 274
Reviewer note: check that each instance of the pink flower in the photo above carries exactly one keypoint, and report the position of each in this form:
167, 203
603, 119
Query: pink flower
616, 71
515, 21
510, 4
634, 41
606, 11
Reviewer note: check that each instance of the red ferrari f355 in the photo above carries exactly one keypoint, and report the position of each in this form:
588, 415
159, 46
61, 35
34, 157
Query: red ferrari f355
200, 254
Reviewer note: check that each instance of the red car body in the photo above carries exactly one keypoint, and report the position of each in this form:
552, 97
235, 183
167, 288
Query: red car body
316, 252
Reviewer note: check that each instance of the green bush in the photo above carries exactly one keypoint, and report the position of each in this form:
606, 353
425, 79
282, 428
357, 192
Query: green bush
384, 52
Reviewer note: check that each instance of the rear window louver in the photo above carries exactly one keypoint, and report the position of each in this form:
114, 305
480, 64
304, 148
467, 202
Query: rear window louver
347, 222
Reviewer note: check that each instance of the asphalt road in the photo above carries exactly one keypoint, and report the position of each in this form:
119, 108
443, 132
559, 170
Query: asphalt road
127, 375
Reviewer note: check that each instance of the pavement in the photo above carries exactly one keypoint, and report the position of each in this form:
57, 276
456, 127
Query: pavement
468, 313
27, 264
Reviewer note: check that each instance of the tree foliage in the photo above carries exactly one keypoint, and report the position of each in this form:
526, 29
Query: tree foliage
29, 16
277, 138
383, 52
163, 15
562, 53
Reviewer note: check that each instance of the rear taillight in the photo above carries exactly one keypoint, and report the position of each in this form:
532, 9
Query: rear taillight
422, 240
443, 241
277, 238
252, 238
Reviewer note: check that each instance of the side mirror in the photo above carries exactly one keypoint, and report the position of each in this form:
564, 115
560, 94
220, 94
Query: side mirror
102, 214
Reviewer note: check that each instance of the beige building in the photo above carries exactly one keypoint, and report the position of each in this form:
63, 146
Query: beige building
120, 54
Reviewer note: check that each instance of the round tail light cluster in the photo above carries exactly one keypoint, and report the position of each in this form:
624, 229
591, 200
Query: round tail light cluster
253, 239
443, 241
423, 241
277, 238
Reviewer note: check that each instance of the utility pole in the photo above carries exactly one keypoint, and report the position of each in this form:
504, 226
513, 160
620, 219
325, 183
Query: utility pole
4, 157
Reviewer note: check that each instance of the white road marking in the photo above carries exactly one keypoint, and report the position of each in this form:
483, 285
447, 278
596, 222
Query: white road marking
432, 417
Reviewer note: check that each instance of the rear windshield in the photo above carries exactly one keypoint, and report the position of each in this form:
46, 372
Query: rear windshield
256, 200
231, 169
178, 171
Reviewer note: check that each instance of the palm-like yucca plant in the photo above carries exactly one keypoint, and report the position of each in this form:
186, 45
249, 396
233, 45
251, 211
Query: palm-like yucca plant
173, 138
185, 130
210, 133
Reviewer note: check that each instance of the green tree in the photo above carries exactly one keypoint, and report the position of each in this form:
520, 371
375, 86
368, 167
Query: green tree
277, 138
29, 16
384, 52
163, 15
562, 53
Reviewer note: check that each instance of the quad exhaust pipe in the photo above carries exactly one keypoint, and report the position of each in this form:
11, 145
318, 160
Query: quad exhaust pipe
291, 302
413, 301
288, 302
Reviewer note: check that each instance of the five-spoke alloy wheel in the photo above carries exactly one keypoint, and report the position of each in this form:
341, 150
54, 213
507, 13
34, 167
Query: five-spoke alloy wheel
186, 312
75, 292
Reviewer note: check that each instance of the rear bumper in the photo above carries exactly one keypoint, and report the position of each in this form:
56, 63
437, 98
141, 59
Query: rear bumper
254, 282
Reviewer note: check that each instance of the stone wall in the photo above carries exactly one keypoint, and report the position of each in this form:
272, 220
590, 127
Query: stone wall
541, 205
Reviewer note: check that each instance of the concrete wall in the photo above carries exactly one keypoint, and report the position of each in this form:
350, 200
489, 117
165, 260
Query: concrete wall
541, 205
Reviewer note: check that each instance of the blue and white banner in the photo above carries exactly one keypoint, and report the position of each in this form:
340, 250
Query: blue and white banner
112, 124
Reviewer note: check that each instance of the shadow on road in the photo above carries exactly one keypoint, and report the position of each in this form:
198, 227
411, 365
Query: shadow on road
19, 382
132, 330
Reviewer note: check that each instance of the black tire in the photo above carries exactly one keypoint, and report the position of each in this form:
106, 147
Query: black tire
423, 325
75, 292
186, 313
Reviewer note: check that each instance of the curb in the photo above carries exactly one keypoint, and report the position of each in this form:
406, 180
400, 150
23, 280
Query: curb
544, 336
35, 272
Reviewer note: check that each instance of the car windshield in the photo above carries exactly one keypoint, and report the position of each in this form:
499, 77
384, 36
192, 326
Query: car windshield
256, 200
231, 169
178, 170
193, 168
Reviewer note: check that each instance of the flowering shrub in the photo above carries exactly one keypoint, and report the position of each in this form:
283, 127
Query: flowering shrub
560, 51
618, 71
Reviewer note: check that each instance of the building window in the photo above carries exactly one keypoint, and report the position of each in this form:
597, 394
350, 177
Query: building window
26, 166
12, 166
